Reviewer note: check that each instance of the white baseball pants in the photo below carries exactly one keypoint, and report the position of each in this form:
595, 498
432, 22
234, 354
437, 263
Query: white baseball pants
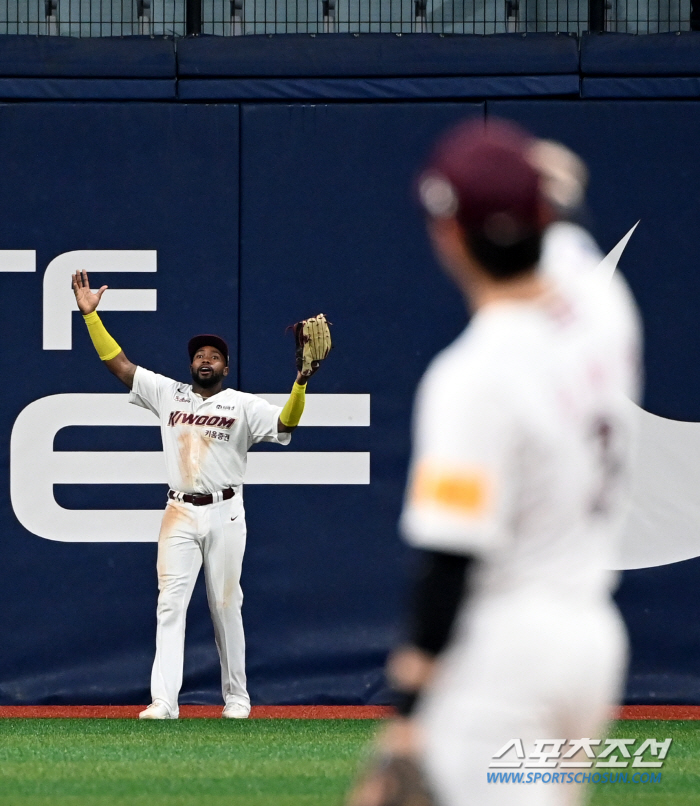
532, 672
213, 535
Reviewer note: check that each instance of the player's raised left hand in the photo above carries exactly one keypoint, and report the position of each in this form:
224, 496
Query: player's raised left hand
313, 343
87, 299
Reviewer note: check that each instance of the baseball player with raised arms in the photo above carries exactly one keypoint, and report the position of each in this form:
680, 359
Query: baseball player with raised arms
206, 432
522, 445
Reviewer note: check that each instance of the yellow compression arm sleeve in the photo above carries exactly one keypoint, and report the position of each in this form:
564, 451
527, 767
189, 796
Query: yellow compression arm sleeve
294, 407
106, 347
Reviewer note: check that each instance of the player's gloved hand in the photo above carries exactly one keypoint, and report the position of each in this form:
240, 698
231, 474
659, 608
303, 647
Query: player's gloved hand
391, 781
392, 776
313, 343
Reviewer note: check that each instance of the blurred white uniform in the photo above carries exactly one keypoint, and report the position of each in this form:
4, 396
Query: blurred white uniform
205, 441
522, 447
568, 249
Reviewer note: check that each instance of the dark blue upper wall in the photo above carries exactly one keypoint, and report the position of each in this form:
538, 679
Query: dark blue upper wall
351, 67
376, 66
624, 66
100, 57
630, 55
68, 68
301, 55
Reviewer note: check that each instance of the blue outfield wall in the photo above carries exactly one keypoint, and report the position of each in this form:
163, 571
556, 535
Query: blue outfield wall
241, 218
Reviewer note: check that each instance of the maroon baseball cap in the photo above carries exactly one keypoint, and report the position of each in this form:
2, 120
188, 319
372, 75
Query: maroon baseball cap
207, 340
480, 174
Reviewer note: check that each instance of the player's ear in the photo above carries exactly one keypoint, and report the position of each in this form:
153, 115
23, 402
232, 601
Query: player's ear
225, 371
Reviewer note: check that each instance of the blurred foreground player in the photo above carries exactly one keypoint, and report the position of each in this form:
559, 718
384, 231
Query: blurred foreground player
206, 432
516, 494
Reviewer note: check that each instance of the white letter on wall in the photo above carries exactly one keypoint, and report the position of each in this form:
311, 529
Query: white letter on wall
35, 467
17, 260
59, 300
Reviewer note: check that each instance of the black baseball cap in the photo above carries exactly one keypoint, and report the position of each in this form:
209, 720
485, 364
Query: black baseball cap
207, 340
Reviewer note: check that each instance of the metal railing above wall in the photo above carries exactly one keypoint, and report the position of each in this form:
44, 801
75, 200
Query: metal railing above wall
86, 18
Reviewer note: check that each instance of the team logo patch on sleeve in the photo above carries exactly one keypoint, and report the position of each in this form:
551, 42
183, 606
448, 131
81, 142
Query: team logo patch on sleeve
466, 491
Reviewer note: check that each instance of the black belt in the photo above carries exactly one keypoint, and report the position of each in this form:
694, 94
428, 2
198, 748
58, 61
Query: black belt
202, 500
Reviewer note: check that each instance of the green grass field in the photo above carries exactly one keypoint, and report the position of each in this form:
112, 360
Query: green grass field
105, 762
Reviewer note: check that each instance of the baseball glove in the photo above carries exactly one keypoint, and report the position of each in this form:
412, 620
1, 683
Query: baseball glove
313, 340
391, 781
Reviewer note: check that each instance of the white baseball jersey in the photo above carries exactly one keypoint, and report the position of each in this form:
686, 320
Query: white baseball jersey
522, 442
205, 440
568, 248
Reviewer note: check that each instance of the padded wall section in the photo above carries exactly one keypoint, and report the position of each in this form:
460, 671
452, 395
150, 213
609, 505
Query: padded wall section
643, 168
98, 57
629, 66
377, 55
144, 187
43, 68
431, 88
329, 224
673, 54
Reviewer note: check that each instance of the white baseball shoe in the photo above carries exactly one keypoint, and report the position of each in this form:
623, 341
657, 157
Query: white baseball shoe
157, 710
236, 710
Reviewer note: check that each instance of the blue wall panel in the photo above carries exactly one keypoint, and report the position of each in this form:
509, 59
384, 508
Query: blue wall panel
642, 161
77, 620
642, 158
329, 224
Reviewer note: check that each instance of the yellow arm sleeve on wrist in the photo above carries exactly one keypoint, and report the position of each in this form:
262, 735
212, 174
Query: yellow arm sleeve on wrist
106, 347
294, 407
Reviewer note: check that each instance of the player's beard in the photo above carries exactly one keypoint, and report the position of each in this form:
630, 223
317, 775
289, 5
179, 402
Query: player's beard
207, 382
